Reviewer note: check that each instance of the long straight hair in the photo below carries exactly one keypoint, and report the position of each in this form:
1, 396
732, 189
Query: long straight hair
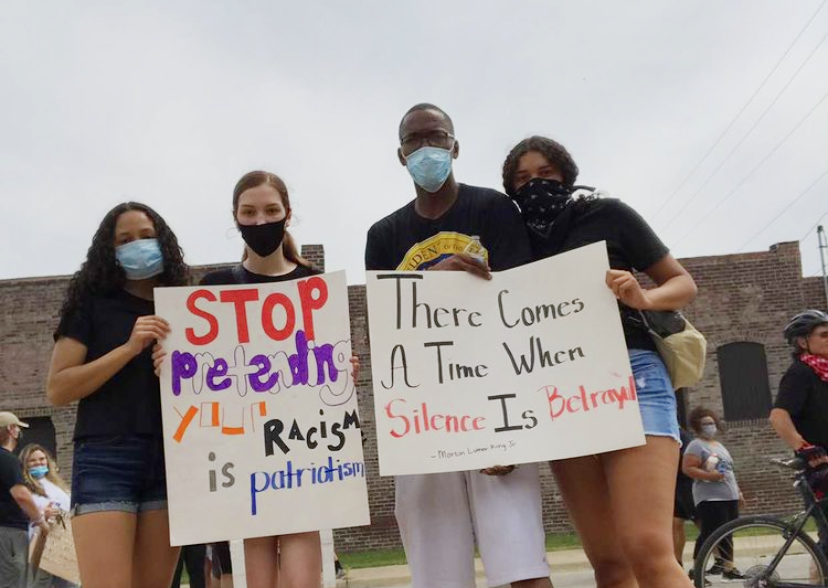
255, 179
52, 476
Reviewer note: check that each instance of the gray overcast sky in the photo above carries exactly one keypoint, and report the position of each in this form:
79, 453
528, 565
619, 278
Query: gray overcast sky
170, 102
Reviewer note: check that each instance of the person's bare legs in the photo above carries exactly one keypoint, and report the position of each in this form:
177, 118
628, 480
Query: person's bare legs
104, 542
584, 489
642, 485
301, 560
154, 560
261, 562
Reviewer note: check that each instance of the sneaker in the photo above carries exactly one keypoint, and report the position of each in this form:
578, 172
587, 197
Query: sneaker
717, 568
733, 574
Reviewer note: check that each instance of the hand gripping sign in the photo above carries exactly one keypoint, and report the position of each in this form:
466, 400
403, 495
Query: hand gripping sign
261, 428
530, 366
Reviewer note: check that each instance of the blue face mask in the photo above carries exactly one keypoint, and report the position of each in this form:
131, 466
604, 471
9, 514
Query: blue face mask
140, 259
429, 167
38, 472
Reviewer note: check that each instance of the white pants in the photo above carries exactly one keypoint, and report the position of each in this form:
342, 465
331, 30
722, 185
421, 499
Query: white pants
440, 515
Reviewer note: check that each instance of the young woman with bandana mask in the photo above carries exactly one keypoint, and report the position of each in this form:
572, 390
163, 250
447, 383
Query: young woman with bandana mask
262, 212
715, 491
620, 502
102, 359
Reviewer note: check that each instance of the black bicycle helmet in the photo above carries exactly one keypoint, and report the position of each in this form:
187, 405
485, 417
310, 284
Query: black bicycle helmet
803, 324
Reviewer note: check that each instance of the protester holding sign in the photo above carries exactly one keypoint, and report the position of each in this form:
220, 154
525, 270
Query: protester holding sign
262, 212
102, 359
621, 502
452, 226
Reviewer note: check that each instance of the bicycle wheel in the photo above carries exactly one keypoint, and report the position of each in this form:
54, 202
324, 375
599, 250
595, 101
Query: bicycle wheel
742, 552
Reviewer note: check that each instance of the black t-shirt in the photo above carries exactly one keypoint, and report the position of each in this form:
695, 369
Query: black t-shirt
129, 403
227, 277
631, 245
11, 474
805, 397
404, 240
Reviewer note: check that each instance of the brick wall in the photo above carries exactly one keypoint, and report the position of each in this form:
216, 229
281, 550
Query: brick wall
744, 297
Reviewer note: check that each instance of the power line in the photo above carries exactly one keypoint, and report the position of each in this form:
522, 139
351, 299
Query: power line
741, 111
748, 133
758, 165
785, 209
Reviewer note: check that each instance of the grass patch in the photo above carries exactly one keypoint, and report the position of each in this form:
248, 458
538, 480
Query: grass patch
395, 557
554, 542
372, 559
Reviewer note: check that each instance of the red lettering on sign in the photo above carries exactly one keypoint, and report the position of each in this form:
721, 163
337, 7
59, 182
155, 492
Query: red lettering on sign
267, 317
240, 298
313, 293
213, 331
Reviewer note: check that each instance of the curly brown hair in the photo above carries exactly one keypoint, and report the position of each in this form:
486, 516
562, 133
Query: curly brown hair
700, 412
101, 273
553, 151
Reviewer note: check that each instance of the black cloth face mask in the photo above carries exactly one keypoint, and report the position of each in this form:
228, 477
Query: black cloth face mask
264, 239
541, 201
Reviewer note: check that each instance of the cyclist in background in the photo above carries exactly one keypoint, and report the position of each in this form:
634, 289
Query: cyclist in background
800, 413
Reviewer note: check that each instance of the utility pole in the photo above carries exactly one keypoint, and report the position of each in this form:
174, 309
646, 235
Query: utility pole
823, 249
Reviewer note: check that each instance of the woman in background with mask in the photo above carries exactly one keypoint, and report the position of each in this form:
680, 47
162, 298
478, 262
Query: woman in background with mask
102, 359
715, 491
51, 494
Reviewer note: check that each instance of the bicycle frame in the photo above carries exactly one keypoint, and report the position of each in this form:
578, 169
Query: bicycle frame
813, 509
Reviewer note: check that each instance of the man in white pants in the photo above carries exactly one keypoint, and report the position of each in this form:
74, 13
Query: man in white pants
440, 515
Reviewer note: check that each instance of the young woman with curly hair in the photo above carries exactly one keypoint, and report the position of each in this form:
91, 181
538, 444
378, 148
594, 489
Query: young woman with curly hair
621, 502
102, 359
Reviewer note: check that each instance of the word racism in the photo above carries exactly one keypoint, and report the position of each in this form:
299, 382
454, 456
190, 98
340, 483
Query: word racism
415, 314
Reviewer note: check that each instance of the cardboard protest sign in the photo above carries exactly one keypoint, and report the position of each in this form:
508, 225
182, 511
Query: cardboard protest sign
530, 366
261, 428
55, 553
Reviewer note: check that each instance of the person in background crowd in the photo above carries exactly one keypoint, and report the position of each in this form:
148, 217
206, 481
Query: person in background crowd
102, 359
194, 557
17, 507
800, 413
441, 515
684, 509
51, 494
715, 491
607, 494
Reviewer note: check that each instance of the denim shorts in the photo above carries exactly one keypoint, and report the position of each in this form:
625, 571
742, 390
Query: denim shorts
123, 473
656, 397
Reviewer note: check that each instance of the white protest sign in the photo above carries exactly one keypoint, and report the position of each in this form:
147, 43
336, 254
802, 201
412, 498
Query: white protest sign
530, 366
261, 429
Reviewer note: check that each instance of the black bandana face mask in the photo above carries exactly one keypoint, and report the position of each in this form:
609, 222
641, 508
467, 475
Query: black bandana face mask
540, 202
264, 239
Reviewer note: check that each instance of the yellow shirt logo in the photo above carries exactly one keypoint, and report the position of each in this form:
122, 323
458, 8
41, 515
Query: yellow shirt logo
435, 249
